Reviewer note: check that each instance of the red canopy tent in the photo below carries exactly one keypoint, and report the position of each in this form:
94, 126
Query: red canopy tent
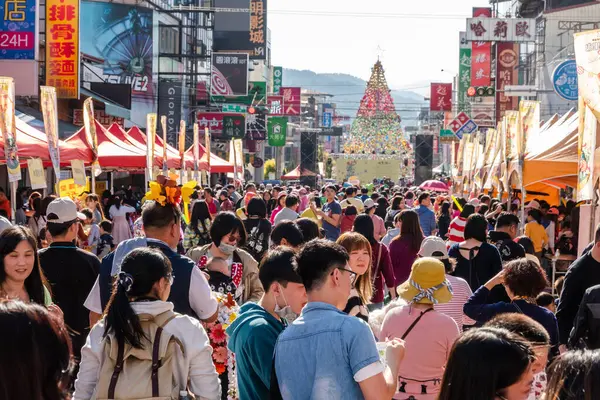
112, 153
217, 164
296, 173
173, 158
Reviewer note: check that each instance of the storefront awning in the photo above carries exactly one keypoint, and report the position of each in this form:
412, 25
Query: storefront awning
109, 107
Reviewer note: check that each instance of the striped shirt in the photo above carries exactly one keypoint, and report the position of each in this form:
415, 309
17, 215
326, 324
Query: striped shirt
461, 292
456, 233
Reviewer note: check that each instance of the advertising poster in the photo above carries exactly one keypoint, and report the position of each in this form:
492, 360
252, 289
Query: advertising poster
587, 56
441, 97
78, 169
243, 31
62, 47
18, 39
277, 131
234, 127
464, 73
121, 36
506, 67
229, 75
169, 105
366, 169
50, 115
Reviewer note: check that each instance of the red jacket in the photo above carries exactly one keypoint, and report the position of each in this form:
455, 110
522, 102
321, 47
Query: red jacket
347, 223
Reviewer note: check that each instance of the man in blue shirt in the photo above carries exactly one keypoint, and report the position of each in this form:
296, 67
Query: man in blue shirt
327, 354
254, 333
426, 216
331, 213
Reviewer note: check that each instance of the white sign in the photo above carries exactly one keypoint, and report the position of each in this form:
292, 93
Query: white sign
500, 30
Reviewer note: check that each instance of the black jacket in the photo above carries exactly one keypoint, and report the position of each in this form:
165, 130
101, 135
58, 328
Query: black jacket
586, 330
509, 250
582, 274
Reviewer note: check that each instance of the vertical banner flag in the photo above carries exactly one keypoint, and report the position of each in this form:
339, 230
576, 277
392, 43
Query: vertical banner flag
163, 125
506, 75
62, 47
181, 143
277, 79
481, 63
90, 131
196, 151
150, 137
530, 123
50, 115
440, 97
464, 73
8, 128
587, 47
587, 144
78, 169
36, 173
276, 131
207, 146
513, 134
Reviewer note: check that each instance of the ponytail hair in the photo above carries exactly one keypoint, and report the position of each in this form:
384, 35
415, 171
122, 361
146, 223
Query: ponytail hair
141, 269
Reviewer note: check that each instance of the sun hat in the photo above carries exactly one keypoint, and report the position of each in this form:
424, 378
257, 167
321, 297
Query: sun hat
427, 283
431, 245
533, 205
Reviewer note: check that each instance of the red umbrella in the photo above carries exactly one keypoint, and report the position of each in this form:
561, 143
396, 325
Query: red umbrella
433, 185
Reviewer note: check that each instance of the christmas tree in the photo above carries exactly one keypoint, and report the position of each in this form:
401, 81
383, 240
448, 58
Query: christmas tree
377, 124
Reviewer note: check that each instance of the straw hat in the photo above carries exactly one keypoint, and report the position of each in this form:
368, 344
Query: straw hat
427, 283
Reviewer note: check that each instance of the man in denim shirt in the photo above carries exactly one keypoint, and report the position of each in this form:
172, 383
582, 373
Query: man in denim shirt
326, 354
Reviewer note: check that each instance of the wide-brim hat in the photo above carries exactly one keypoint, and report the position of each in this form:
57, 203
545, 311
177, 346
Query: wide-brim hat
427, 283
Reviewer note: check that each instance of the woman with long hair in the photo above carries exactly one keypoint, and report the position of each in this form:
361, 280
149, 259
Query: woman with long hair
490, 364
381, 265
443, 220
280, 206
21, 276
359, 249
405, 247
118, 212
35, 361
142, 288
575, 375
258, 228
397, 206
197, 231
37, 221
267, 197
92, 201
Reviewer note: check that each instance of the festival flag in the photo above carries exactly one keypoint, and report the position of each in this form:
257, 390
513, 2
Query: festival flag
36, 173
588, 69
150, 137
181, 143
588, 125
8, 128
50, 115
513, 135
196, 151
530, 123
163, 125
207, 147
90, 132
78, 169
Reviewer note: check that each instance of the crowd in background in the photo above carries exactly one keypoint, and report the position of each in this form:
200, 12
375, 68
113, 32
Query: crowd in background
346, 292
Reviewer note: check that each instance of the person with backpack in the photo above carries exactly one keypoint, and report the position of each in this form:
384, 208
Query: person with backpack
197, 232
142, 348
257, 227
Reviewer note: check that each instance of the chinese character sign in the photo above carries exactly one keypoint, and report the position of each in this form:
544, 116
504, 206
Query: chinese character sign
481, 63
441, 97
291, 100
501, 30
62, 47
464, 74
241, 26
277, 79
101, 116
18, 36
275, 105
277, 131
507, 75
234, 127
229, 75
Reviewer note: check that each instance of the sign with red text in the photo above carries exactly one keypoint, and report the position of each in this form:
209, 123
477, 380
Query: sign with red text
214, 122
100, 115
440, 97
291, 100
62, 47
500, 29
506, 75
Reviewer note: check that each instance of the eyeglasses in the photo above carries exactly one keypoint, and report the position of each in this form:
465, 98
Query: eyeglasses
352, 274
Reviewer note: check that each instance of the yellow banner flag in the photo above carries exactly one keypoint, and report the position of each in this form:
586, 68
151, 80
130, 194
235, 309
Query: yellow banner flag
150, 135
78, 169
587, 47
163, 125
89, 122
36, 173
181, 143
8, 128
50, 115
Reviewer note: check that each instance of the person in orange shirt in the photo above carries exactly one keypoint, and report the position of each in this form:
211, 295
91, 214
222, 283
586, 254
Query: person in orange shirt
535, 231
5, 204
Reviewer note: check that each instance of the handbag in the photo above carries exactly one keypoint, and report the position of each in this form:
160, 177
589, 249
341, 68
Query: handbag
411, 327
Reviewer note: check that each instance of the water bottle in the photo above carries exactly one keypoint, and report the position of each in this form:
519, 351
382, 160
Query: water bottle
184, 395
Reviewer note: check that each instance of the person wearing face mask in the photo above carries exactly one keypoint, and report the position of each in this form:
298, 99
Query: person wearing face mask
228, 235
252, 336
191, 294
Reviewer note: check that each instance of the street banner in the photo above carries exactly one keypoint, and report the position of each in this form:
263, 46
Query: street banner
150, 138
277, 79
277, 131
78, 169
236, 157
291, 100
464, 73
240, 26
501, 29
229, 76
440, 97
196, 151
50, 115
588, 125
507, 75
481, 63
513, 135
169, 104
163, 126
62, 47
587, 55
90, 132
37, 177
234, 127
207, 148
530, 123
8, 128
181, 143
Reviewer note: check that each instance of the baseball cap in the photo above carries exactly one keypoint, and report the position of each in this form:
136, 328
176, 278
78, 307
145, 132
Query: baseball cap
431, 245
553, 211
369, 203
474, 202
63, 210
533, 204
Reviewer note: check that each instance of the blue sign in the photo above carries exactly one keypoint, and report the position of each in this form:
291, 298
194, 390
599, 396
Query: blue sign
326, 120
469, 127
564, 80
17, 30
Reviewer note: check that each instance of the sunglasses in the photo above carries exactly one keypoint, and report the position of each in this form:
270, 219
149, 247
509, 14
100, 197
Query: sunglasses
352, 274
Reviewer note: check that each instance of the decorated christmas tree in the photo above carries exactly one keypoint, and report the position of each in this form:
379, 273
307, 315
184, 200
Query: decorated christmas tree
377, 124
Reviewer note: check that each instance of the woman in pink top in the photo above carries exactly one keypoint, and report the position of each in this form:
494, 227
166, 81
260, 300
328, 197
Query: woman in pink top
280, 206
429, 334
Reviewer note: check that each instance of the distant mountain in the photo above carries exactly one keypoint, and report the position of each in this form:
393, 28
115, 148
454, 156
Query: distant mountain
348, 91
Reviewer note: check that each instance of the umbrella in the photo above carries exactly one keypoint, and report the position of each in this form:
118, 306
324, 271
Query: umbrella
435, 186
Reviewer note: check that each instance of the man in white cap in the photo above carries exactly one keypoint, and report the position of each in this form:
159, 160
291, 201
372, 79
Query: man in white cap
70, 270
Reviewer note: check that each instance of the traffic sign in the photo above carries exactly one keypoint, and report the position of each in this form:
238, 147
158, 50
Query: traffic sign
234, 108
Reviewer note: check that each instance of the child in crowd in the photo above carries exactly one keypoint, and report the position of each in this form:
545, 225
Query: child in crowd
547, 301
348, 219
392, 233
221, 279
93, 231
106, 243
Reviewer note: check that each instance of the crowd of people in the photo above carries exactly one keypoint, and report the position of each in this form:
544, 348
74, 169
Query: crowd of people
270, 292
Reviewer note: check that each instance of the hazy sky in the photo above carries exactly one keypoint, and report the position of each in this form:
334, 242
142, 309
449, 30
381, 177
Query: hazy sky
419, 37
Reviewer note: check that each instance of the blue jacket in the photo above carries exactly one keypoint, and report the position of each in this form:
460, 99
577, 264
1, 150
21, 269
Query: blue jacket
426, 219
